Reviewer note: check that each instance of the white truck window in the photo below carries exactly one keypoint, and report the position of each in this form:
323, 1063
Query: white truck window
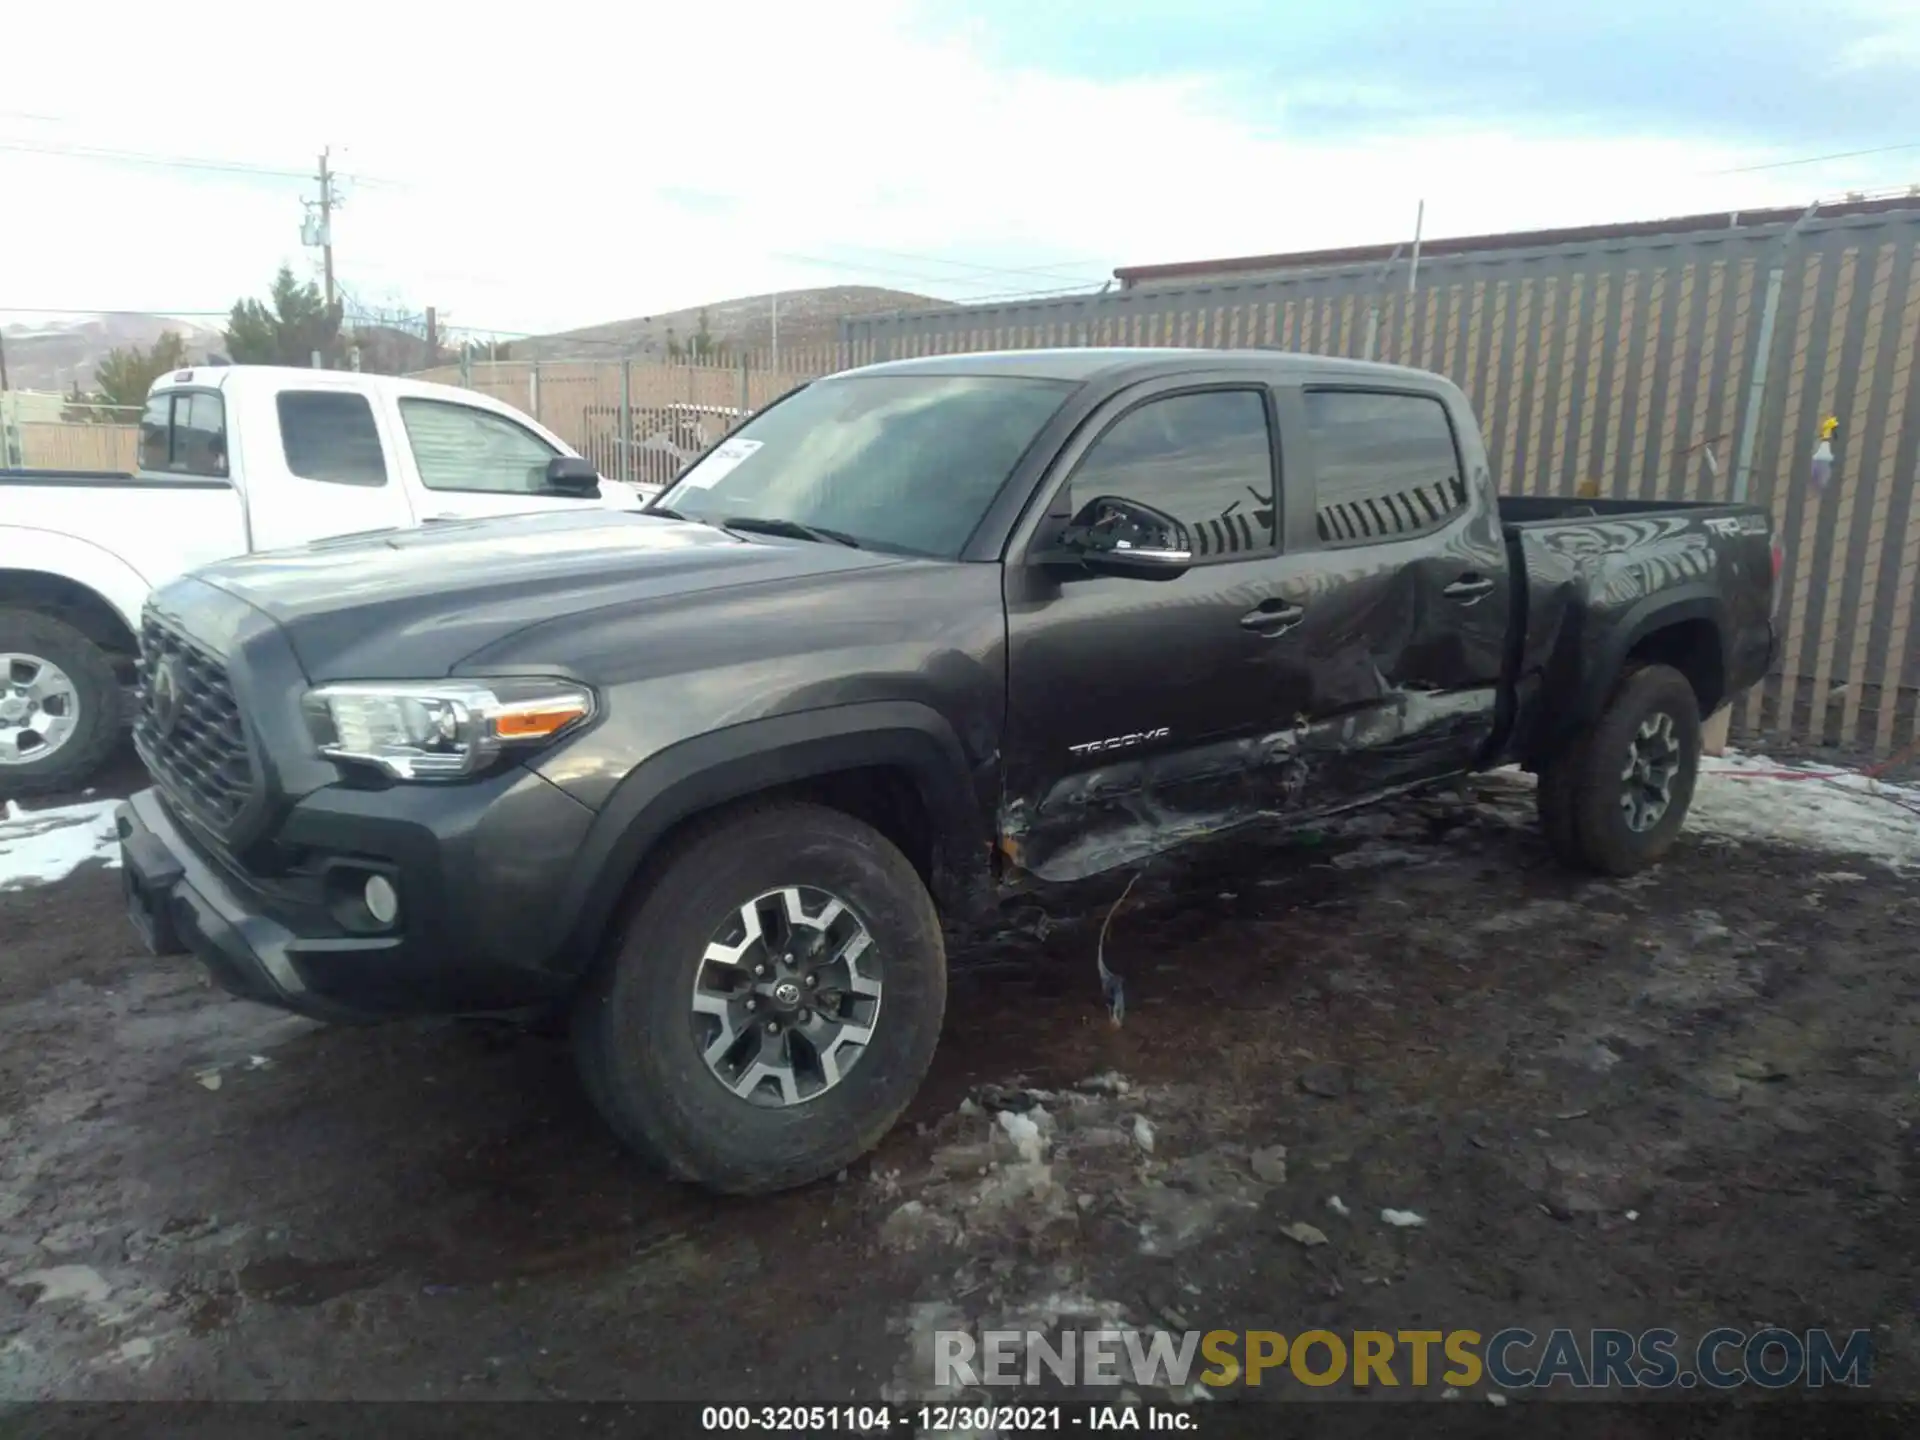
329, 435
457, 447
184, 432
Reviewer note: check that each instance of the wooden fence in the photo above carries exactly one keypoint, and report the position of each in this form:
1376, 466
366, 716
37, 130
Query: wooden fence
60, 445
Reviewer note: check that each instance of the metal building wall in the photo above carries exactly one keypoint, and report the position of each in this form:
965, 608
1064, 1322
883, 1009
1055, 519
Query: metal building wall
1622, 363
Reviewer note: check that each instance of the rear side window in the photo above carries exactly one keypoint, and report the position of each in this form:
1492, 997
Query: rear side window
330, 436
457, 447
184, 432
1386, 465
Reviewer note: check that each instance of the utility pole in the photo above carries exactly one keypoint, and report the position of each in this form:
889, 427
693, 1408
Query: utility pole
775, 357
1413, 270
3, 364
1762, 353
326, 223
433, 337
1373, 304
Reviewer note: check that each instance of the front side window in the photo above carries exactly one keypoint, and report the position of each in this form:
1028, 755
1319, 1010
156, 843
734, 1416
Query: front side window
904, 463
1205, 459
456, 447
330, 435
184, 432
1386, 466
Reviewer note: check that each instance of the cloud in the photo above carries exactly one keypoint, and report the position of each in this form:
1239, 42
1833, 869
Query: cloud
588, 163
1748, 74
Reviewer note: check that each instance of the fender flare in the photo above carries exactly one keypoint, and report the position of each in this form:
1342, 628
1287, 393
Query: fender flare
707, 771
1643, 618
80, 562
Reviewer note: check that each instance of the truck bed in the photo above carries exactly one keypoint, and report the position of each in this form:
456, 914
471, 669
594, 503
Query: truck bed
1592, 578
1545, 509
93, 478
117, 535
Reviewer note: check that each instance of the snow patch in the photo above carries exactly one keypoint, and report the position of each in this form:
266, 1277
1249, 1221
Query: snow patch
136, 1351
1749, 797
42, 847
1028, 1143
67, 1282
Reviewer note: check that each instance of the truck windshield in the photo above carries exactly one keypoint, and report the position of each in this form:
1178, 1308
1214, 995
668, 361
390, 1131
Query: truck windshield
906, 463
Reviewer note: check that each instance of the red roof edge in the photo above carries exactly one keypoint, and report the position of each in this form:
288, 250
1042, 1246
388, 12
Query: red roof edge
1513, 240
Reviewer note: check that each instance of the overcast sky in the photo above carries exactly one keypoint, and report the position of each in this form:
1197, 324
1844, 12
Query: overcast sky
532, 168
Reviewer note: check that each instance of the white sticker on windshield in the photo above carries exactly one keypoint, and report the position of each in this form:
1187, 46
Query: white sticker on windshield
722, 461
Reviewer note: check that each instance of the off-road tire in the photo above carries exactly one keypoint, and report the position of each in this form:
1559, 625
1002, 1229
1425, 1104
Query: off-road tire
1580, 790
30, 632
640, 1061
1554, 799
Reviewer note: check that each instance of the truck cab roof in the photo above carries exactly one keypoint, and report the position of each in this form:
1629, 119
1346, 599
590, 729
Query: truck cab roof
249, 380
1123, 363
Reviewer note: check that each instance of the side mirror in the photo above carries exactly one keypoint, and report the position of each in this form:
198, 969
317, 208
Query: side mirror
571, 475
1112, 536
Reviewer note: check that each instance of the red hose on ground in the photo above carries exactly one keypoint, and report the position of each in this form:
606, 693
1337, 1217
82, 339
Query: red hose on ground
1871, 772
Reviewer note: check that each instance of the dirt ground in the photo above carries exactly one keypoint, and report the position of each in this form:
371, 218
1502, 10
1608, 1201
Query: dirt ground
1684, 1100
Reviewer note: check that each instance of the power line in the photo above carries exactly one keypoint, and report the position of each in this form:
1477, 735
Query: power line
863, 269
95, 310
1818, 159
1046, 272
172, 162
134, 157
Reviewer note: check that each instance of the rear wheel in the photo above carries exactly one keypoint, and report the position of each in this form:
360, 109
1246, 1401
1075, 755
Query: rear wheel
772, 1005
59, 704
1615, 801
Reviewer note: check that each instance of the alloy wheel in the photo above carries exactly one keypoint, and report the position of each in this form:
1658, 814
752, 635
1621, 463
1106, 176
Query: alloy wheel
1653, 760
39, 708
786, 996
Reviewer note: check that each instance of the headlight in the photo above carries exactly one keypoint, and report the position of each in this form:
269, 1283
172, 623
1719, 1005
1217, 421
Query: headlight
441, 729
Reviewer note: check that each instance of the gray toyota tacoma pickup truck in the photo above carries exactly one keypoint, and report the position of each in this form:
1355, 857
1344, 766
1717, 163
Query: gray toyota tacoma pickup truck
709, 779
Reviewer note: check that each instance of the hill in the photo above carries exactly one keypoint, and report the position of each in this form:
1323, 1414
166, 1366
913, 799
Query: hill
808, 319
53, 356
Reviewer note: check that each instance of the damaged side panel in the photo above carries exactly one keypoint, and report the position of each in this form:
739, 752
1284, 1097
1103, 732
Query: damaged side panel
1120, 814
1306, 674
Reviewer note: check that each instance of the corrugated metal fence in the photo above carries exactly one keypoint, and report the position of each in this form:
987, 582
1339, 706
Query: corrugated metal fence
1625, 365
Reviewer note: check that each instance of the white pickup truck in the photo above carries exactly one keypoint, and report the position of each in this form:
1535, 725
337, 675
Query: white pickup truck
233, 459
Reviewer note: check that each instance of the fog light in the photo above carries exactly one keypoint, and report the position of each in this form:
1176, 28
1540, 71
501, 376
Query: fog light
383, 901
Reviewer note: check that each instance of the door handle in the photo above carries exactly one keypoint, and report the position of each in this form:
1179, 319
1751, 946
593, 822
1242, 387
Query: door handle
1469, 588
1273, 617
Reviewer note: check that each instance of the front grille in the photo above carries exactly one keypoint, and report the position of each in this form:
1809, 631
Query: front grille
188, 727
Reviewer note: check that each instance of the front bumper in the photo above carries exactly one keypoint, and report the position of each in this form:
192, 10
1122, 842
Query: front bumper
479, 869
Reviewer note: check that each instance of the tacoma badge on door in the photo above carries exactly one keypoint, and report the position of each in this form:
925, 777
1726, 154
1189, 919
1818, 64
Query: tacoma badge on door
1119, 742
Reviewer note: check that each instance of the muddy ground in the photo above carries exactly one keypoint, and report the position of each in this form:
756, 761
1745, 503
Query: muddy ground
1683, 1101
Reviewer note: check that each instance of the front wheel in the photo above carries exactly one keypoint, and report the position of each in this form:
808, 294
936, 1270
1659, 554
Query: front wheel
1616, 799
772, 1005
59, 704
